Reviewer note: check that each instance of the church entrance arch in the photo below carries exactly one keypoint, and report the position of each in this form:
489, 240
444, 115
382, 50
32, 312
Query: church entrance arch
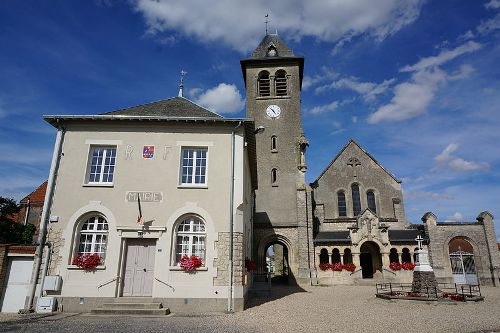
276, 257
370, 259
463, 266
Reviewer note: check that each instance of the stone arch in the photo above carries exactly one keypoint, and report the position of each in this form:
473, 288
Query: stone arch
370, 258
336, 256
323, 256
273, 239
393, 255
347, 256
405, 255
463, 260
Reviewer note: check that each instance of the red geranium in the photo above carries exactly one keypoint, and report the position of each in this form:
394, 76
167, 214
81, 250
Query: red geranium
190, 264
337, 267
250, 265
324, 267
408, 266
349, 267
395, 266
87, 261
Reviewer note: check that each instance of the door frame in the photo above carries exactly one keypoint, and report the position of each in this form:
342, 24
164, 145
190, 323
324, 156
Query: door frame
123, 257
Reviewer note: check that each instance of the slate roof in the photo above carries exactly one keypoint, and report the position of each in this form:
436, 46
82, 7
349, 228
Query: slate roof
175, 107
405, 236
332, 236
272, 39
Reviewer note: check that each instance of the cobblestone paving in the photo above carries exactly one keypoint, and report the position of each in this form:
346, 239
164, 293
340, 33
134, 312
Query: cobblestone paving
320, 309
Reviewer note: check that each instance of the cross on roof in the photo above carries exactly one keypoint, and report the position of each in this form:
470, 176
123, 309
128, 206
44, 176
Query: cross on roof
267, 21
181, 85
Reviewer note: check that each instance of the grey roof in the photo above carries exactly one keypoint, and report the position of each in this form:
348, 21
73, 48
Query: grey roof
272, 39
332, 236
405, 235
176, 107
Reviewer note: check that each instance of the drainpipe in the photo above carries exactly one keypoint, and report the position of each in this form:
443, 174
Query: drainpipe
27, 212
45, 268
231, 223
54, 166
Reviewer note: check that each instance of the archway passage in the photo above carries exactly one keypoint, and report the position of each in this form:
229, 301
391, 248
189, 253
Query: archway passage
463, 266
277, 262
370, 259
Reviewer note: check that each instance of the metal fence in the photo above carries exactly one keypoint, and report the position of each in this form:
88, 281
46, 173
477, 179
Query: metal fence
444, 290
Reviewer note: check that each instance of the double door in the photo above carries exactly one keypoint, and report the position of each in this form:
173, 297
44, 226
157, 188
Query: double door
139, 267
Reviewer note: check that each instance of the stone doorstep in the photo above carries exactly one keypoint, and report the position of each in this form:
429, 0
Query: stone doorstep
123, 305
138, 312
130, 306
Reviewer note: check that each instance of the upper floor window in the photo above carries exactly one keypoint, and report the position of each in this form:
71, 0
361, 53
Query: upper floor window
341, 203
101, 165
93, 237
356, 200
194, 166
274, 176
274, 143
370, 198
264, 84
281, 83
190, 239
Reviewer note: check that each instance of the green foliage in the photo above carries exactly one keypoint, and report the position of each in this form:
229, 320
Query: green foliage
10, 231
8, 207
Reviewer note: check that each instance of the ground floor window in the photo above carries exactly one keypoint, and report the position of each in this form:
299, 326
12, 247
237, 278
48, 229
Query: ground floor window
190, 239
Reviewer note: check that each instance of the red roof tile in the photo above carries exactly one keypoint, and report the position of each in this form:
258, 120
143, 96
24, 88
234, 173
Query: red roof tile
37, 195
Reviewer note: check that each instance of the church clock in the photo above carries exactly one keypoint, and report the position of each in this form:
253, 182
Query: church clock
273, 111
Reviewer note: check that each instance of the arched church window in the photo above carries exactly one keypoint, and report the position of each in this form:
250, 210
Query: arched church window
264, 84
356, 201
415, 254
274, 143
406, 256
274, 176
93, 237
341, 203
323, 256
281, 83
335, 256
347, 256
370, 198
393, 255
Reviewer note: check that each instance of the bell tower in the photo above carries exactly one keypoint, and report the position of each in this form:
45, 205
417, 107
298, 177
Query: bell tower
273, 79
283, 214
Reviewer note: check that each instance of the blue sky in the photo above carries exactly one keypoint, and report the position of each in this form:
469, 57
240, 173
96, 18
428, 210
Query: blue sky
416, 83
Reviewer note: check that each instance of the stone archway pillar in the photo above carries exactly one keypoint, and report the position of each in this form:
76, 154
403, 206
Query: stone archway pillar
385, 260
355, 259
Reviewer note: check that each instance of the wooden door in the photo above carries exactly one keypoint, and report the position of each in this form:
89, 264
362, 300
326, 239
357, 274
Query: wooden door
139, 267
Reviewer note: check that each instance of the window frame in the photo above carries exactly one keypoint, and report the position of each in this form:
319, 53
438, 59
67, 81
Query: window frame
102, 165
196, 150
190, 245
274, 177
93, 233
368, 201
259, 88
356, 202
341, 192
280, 85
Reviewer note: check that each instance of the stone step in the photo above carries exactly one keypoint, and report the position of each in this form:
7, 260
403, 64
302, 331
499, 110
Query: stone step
123, 305
136, 300
139, 312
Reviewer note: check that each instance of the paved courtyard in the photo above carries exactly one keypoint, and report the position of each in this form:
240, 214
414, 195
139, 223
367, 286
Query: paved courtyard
320, 309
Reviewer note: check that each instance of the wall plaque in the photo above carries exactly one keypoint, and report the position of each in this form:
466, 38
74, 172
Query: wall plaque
145, 196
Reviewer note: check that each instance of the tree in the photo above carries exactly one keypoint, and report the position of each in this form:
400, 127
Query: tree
11, 231
8, 207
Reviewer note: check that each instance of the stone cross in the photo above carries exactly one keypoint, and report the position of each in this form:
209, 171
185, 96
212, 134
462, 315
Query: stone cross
353, 162
419, 240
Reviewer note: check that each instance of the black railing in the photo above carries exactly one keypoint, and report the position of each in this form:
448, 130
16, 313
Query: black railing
441, 290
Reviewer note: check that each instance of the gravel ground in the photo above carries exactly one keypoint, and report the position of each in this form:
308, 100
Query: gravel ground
321, 309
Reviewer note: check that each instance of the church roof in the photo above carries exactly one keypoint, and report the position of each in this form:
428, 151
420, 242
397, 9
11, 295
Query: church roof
269, 40
175, 107
405, 236
332, 236
351, 141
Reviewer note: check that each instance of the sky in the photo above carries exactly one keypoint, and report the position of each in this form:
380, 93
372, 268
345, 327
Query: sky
416, 83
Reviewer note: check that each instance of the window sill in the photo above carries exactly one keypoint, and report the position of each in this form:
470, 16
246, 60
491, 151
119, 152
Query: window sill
272, 97
76, 268
193, 186
98, 185
178, 268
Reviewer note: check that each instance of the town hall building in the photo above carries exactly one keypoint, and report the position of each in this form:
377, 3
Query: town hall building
146, 187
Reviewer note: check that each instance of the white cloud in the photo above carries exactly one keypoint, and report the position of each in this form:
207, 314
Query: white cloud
324, 108
326, 74
412, 98
446, 159
455, 217
224, 98
239, 23
428, 195
443, 57
354, 119
488, 26
368, 90
493, 4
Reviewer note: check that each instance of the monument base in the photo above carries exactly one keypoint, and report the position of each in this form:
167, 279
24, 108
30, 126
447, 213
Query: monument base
424, 282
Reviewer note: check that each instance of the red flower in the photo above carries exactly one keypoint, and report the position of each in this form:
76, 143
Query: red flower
87, 261
324, 267
190, 264
250, 265
336, 267
408, 266
349, 267
395, 266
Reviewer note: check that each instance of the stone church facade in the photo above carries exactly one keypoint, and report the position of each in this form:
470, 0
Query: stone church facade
352, 216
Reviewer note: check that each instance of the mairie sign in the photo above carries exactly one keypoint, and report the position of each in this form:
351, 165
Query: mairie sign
145, 196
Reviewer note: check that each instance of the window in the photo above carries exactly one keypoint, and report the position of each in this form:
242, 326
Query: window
101, 165
264, 84
341, 203
93, 236
406, 256
190, 239
335, 256
281, 84
370, 198
356, 202
347, 256
393, 255
274, 143
274, 177
323, 256
194, 166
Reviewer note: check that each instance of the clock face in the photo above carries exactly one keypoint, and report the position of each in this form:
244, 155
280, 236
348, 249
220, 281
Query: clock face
273, 111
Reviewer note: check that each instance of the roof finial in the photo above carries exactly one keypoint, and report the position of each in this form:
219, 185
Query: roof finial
267, 21
181, 85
